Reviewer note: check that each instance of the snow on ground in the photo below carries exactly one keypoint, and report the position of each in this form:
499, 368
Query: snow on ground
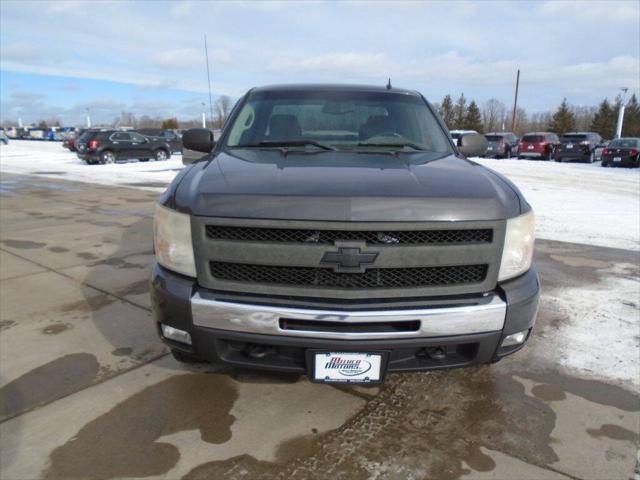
51, 159
581, 203
598, 335
577, 202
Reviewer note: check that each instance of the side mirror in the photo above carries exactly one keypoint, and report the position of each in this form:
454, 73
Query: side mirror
473, 145
198, 139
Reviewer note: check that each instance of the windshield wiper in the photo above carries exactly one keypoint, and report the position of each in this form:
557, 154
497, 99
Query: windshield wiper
414, 146
288, 143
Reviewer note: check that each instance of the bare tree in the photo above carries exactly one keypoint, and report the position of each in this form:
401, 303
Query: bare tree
223, 108
126, 119
493, 115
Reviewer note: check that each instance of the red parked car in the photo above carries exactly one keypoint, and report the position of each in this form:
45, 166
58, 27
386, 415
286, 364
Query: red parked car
541, 145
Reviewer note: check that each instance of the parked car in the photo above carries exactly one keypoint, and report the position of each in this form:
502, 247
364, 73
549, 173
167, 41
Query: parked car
3, 138
622, 152
341, 253
70, 142
501, 144
458, 134
578, 146
108, 146
541, 145
171, 137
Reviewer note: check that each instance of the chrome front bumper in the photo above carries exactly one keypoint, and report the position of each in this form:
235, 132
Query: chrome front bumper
433, 322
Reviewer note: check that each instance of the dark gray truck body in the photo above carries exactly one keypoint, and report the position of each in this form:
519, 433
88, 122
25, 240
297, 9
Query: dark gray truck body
297, 254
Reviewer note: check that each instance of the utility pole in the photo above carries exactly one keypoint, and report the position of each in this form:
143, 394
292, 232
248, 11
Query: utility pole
515, 104
88, 119
206, 54
204, 115
621, 112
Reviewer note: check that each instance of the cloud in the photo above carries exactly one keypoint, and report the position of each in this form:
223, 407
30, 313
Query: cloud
182, 9
66, 6
612, 11
25, 96
21, 52
352, 62
188, 58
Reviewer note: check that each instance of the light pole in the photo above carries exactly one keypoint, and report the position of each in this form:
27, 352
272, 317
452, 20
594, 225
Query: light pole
621, 112
204, 115
88, 118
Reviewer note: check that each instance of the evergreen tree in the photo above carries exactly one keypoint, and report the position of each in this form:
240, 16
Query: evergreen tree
604, 121
473, 119
446, 111
631, 124
459, 113
564, 120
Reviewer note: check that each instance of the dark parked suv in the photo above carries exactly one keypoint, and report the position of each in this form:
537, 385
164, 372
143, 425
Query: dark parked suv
107, 146
578, 146
338, 231
172, 138
501, 144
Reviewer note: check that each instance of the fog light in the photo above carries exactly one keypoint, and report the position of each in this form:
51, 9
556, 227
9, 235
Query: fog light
515, 339
176, 335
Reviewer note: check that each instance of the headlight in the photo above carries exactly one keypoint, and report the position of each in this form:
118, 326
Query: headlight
518, 246
172, 240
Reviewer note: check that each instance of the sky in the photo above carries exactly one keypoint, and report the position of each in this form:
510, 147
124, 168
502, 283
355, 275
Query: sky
70, 58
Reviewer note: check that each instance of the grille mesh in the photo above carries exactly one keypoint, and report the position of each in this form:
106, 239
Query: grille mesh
372, 278
286, 235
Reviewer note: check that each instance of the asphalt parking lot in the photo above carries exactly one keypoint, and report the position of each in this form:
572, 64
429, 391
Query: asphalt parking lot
88, 391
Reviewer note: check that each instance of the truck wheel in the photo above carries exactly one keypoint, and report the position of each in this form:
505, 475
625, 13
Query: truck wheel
184, 357
160, 155
107, 157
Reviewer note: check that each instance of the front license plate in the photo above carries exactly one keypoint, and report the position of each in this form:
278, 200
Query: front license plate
347, 367
617, 159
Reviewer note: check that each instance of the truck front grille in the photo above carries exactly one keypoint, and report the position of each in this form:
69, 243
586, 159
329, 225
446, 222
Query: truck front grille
371, 278
391, 237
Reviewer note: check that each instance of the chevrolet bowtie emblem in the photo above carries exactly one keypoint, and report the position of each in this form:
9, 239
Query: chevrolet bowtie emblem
348, 259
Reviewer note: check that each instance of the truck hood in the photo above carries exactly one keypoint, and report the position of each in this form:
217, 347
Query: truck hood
344, 186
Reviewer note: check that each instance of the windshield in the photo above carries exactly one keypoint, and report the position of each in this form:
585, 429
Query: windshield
341, 120
573, 138
625, 143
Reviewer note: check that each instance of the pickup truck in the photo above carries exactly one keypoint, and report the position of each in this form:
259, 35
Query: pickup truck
337, 231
